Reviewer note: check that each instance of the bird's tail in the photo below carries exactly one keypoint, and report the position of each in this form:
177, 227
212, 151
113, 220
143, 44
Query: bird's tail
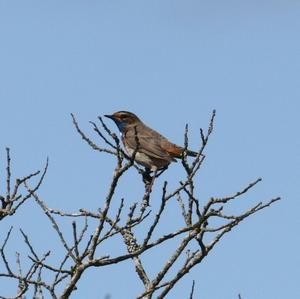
188, 152
191, 153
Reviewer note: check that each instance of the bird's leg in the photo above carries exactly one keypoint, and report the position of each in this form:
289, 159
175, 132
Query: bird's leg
146, 176
149, 181
154, 176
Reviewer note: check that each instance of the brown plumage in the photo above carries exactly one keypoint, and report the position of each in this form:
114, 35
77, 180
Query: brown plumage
154, 151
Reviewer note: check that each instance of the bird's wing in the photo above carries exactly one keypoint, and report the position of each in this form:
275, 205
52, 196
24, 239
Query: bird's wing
151, 143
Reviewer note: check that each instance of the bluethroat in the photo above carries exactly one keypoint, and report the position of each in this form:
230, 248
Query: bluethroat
153, 151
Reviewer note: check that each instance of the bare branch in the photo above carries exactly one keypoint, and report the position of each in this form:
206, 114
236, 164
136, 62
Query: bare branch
205, 223
8, 174
192, 291
88, 141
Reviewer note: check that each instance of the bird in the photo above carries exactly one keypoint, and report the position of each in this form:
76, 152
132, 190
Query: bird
152, 150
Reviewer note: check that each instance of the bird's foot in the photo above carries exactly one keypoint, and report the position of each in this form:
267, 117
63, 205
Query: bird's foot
146, 176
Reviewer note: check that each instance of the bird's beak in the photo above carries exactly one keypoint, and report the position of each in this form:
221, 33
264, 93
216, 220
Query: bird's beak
110, 116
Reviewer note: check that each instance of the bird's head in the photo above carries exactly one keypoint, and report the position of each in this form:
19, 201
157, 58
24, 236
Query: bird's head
124, 119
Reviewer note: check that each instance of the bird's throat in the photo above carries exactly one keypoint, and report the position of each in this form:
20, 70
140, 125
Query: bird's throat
121, 125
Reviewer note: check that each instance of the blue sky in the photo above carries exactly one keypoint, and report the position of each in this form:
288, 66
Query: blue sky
172, 63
